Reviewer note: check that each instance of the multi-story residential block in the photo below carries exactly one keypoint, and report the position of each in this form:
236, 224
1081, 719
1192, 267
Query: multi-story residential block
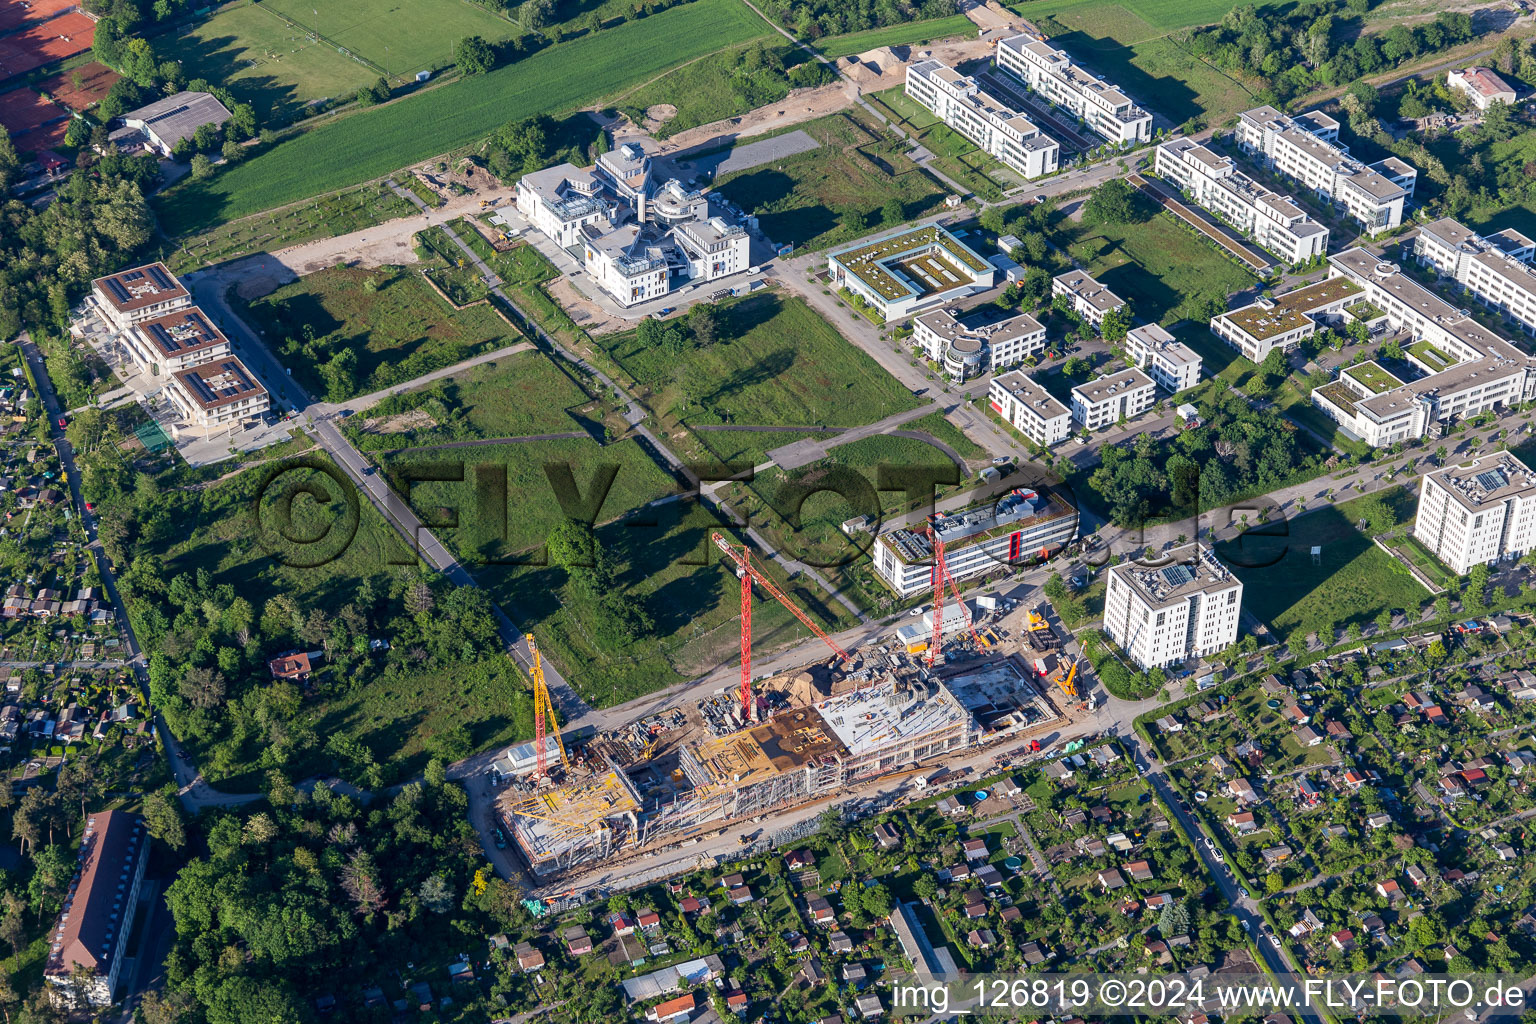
1031, 409
638, 241
1481, 86
968, 352
1283, 321
1089, 299
998, 129
1468, 368
1496, 268
85, 953
1213, 181
217, 395
1306, 149
992, 535
1161, 615
908, 270
140, 293
1479, 512
175, 341
1052, 74
1113, 397
1171, 363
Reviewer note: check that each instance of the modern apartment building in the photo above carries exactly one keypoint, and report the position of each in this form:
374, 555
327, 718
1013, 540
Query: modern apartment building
995, 534
139, 293
1495, 268
996, 128
1481, 86
1468, 368
1171, 363
1479, 512
175, 341
85, 952
217, 395
1306, 149
1161, 615
1087, 297
1052, 74
1031, 409
638, 240
1213, 181
967, 352
1283, 321
908, 270
1123, 394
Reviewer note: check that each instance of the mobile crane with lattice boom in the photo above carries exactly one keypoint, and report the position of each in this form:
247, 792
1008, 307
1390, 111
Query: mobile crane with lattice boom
542, 706
748, 573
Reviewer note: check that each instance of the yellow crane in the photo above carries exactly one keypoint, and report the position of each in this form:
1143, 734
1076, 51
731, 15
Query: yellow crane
542, 706
1065, 681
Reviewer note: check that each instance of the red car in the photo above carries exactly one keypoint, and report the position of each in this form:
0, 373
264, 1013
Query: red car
89, 507
63, 422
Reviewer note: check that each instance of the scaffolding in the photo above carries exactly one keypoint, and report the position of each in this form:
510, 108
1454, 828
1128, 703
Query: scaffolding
586, 819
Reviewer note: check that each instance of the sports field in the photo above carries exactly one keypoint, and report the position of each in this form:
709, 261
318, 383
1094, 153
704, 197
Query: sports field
400, 36
373, 143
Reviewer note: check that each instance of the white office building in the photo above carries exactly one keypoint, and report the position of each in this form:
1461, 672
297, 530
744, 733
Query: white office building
1124, 394
999, 130
909, 270
1495, 268
1169, 362
1481, 85
1162, 615
1468, 368
1306, 149
1032, 410
993, 535
1087, 297
1213, 181
966, 352
1285, 320
1052, 74
1479, 512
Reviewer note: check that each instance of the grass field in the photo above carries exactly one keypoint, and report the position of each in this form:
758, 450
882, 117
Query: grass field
802, 200
1353, 581
909, 33
402, 38
954, 154
776, 364
372, 143
707, 90
1165, 272
1162, 15
398, 331
361, 207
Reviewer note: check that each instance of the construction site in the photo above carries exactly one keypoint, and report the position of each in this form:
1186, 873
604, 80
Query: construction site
809, 735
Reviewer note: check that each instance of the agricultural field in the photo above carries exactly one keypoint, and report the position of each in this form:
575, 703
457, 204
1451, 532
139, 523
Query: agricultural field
774, 363
372, 143
912, 33
346, 332
1353, 581
806, 200
1164, 271
400, 38
1155, 16
337, 214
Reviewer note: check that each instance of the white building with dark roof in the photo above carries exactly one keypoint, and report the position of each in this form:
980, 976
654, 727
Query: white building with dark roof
966, 351
217, 395
1481, 85
1306, 149
998, 129
1495, 268
1031, 409
1051, 73
1213, 181
1479, 512
138, 293
1169, 362
1104, 402
1087, 297
175, 341
1160, 615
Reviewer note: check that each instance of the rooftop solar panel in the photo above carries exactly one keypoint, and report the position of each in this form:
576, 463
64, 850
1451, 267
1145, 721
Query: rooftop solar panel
1491, 480
118, 291
1178, 575
158, 275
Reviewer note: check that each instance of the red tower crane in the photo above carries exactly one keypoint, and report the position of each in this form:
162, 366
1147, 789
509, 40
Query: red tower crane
748, 572
940, 576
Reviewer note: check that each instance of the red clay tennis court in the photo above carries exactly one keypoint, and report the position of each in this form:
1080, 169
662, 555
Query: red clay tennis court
22, 110
44, 43
38, 139
16, 13
96, 80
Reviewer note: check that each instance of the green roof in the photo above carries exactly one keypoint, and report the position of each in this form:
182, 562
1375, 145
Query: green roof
868, 262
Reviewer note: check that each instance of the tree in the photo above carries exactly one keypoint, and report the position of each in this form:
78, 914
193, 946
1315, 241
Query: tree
1114, 202
1435, 653
830, 824
436, 895
893, 212
162, 820
1115, 324
202, 167
704, 322
527, 141
472, 55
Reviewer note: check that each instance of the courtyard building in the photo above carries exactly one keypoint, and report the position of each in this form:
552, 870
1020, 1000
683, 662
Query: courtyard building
909, 270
